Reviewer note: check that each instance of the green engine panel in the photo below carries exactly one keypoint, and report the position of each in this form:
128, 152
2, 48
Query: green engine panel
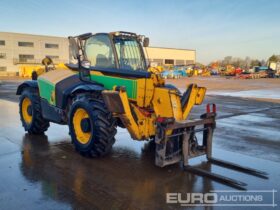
109, 82
47, 88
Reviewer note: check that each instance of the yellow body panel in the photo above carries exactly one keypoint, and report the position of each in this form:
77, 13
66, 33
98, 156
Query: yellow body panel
149, 92
157, 80
176, 106
162, 102
145, 124
145, 91
128, 119
167, 103
196, 98
141, 92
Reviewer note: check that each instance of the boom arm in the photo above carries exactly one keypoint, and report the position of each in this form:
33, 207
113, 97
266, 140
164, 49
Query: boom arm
166, 103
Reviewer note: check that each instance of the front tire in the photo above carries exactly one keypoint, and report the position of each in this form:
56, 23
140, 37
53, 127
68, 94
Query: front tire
31, 113
92, 127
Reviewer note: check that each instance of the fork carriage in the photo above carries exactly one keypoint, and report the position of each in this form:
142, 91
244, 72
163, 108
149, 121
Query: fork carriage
183, 145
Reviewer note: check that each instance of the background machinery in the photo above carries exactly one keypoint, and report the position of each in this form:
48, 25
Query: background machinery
110, 86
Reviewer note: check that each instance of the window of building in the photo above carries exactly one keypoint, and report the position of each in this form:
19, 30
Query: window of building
53, 46
180, 62
25, 44
2, 42
53, 56
158, 61
3, 68
189, 62
2, 55
24, 58
169, 61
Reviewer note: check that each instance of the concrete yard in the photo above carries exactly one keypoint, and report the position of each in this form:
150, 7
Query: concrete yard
45, 172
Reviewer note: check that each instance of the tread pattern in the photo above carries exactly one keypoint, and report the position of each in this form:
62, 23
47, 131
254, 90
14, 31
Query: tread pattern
38, 125
104, 127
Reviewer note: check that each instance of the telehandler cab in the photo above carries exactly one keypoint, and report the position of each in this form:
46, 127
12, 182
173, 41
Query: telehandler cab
110, 86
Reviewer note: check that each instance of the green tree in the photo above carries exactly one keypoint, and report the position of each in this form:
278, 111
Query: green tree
273, 58
255, 62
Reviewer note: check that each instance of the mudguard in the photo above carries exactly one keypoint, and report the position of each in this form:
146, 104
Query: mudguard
62, 96
87, 88
25, 84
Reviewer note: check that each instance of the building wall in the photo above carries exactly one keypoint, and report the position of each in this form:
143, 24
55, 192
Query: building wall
11, 61
167, 55
10, 51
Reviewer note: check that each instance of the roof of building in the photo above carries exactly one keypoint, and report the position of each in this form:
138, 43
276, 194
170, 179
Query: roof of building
169, 48
26, 34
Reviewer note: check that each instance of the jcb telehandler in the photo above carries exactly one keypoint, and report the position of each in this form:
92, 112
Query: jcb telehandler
110, 86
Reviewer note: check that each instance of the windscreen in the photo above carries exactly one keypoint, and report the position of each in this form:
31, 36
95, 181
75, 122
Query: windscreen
129, 53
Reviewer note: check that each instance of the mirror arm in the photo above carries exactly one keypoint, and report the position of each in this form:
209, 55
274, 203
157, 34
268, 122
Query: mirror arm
80, 67
79, 61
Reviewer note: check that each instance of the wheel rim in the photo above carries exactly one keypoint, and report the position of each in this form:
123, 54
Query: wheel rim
26, 110
80, 116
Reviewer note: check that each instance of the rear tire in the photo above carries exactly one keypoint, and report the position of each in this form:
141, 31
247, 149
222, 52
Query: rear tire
92, 127
31, 113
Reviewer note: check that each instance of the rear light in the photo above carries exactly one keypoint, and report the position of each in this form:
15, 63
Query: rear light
161, 119
208, 108
214, 108
165, 119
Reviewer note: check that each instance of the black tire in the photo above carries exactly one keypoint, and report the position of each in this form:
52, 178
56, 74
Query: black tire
37, 125
101, 126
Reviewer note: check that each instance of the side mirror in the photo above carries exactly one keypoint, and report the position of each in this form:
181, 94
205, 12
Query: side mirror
146, 42
85, 70
74, 48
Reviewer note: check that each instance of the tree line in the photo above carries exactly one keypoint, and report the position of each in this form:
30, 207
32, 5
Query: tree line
247, 62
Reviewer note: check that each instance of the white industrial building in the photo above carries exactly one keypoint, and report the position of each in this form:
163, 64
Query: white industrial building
170, 56
17, 49
20, 49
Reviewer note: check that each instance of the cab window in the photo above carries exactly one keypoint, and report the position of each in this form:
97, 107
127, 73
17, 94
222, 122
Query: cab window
129, 54
99, 51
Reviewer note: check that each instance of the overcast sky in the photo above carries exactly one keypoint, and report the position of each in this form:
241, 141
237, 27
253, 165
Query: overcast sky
214, 28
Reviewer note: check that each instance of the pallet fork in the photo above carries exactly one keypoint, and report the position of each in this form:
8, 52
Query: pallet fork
182, 145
